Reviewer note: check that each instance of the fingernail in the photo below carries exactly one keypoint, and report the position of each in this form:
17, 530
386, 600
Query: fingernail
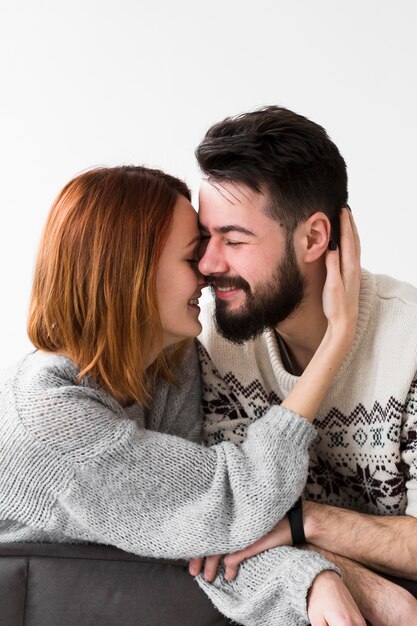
332, 245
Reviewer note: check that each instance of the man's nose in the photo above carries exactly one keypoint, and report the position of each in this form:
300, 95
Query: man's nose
212, 261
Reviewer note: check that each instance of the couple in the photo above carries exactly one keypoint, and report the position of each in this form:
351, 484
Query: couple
101, 425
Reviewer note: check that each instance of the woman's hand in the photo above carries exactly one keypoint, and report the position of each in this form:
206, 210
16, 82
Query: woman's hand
341, 289
280, 535
211, 564
329, 602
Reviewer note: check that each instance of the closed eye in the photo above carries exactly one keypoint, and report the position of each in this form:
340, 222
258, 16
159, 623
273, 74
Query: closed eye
234, 243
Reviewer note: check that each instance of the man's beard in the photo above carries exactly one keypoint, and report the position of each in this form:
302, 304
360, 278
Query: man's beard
264, 308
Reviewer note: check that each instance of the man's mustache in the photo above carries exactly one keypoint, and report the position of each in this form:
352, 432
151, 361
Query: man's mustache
229, 282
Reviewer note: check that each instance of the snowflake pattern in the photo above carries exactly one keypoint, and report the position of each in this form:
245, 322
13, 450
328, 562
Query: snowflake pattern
355, 461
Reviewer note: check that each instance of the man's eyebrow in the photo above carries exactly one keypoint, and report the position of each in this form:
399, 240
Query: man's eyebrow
228, 229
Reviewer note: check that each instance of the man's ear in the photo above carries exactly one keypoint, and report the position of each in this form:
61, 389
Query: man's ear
313, 237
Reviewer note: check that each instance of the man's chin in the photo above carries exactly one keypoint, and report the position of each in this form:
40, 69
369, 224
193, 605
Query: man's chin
239, 338
237, 330
232, 307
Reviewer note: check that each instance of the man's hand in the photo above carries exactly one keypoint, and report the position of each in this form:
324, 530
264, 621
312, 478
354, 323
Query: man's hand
329, 602
211, 564
380, 601
280, 535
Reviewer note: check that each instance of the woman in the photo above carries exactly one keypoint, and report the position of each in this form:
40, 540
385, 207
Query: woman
100, 426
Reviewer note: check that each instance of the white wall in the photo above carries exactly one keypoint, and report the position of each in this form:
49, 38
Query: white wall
97, 82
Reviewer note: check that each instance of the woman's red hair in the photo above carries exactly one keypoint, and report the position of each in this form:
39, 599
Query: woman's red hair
93, 295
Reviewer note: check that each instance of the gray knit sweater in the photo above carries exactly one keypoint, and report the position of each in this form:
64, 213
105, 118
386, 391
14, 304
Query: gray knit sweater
76, 466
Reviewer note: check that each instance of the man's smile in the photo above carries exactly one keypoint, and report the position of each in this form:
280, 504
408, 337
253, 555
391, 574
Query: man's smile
226, 293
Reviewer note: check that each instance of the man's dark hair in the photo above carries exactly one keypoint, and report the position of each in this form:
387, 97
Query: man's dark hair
283, 153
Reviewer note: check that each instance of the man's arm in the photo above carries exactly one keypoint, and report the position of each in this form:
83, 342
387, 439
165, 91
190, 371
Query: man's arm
380, 601
384, 543
387, 544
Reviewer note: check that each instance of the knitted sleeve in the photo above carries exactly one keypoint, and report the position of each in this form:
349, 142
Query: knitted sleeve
90, 474
159, 495
409, 448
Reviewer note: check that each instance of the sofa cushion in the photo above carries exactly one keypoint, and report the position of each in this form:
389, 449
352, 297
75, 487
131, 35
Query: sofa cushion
83, 585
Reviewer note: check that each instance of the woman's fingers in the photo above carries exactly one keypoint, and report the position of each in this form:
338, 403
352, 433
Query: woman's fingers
342, 286
349, 243
195, 566
280, 535
211, 566
332, 259
356, 235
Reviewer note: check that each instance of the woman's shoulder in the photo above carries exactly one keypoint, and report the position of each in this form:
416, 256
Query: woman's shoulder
40, 370
56, 410
42, 375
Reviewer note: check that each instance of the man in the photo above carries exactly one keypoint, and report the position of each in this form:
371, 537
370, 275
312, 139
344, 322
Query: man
274, 185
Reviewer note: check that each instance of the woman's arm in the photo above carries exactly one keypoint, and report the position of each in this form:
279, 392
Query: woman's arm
86, 470
159, 495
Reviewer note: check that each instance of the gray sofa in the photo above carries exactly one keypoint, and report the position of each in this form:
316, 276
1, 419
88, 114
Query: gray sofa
91, 585
86, 585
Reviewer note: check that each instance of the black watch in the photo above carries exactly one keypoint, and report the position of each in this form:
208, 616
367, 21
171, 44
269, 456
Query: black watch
295, 517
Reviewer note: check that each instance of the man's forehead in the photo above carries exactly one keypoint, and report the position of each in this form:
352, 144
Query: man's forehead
234, 193
227, 206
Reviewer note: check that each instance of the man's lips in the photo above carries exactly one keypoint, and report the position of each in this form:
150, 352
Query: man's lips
226, 293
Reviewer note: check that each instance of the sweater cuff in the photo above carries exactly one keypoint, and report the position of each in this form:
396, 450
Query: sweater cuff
289, 425
311, 564
270, 588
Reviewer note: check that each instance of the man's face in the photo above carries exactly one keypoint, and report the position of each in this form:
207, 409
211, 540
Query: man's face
248, 260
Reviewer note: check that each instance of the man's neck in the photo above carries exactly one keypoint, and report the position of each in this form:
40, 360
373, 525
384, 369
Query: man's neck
303, 331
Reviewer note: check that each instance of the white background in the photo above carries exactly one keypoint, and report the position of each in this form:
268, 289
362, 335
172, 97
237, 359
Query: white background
95, 82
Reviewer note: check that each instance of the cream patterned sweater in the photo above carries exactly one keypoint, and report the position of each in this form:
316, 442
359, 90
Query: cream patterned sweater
365, 455
75, 466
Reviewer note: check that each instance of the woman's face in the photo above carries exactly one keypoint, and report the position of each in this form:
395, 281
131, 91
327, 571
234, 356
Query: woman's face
178, 284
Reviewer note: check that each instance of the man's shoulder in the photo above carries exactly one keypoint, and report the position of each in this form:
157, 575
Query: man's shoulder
391, 317
389, 288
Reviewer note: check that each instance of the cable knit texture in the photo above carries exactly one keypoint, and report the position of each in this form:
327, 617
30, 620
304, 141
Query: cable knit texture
365, 455
75, 466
